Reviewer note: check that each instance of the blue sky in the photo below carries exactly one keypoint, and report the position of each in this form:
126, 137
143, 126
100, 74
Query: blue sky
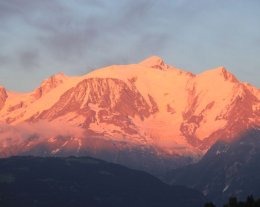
40, 38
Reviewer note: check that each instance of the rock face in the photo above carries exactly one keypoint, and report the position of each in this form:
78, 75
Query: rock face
49, 84
227, 169
115, 100
3, 97
151, 107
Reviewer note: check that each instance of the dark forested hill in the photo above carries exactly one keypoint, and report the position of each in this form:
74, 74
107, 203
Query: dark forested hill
35, 181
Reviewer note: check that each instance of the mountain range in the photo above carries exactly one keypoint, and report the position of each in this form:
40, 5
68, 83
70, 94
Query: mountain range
149, 116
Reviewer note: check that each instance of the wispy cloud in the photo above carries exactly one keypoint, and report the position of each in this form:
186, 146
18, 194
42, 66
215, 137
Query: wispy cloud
29, 59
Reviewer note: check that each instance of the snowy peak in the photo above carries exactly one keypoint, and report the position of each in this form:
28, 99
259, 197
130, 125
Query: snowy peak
220, 72
54, 80
154, 62
226, 74
49, 84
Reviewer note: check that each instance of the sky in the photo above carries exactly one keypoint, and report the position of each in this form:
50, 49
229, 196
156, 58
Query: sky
40, 38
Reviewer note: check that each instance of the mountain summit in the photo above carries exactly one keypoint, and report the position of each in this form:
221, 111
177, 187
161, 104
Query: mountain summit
154, 62
221, 72
49, 84
129, 114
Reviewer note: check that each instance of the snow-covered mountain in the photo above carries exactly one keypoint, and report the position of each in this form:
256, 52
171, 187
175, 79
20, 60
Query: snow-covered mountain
148, 107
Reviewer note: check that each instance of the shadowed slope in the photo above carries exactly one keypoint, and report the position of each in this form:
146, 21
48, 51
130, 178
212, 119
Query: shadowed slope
227, 169
35, 181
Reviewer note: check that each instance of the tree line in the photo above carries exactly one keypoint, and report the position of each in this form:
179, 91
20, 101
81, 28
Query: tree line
233, 202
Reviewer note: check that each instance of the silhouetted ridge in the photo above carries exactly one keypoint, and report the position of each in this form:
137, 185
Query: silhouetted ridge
68, 182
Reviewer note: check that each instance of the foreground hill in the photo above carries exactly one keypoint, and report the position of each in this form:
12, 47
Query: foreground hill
228, 169
129, 114
67, 182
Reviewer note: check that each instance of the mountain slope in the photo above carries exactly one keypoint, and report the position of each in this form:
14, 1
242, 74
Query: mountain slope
145, 107
34, 181
227, 169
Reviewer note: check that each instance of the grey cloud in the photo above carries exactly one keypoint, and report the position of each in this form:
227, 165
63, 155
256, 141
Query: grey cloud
66, 37
154, 42
71, 39
118, 32
137, 12
28, 5
4, 60
29, 59
26, 60
94, 3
